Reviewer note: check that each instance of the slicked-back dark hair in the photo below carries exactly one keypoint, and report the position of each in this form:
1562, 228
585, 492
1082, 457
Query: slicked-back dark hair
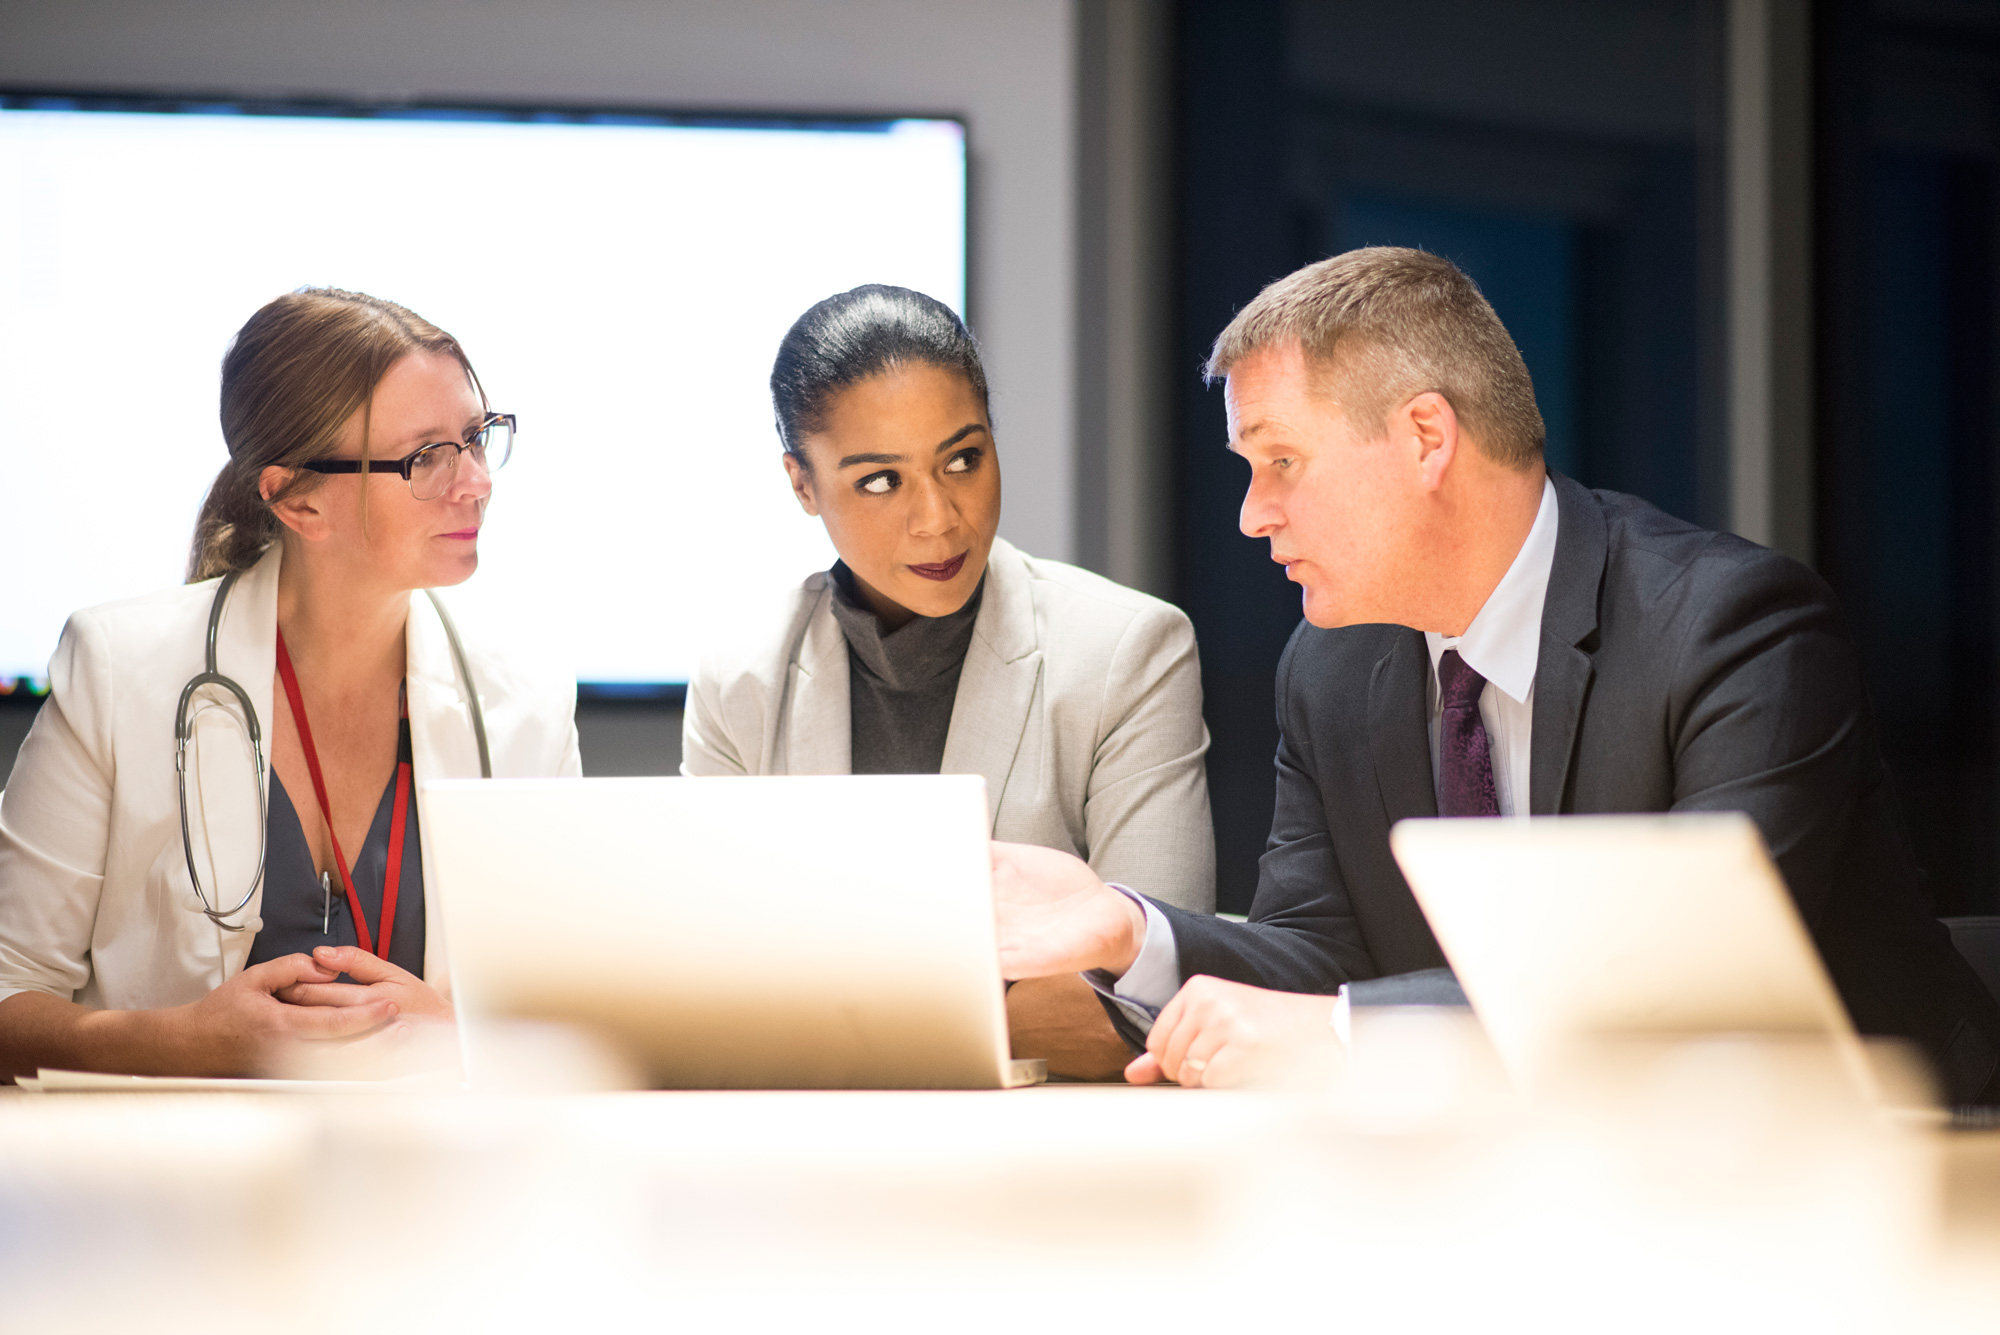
861, 333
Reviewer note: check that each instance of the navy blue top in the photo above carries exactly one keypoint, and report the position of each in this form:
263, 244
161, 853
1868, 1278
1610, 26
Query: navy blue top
294, 905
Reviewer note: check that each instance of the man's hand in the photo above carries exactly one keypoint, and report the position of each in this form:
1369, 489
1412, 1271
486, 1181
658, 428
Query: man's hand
1055, 916
1217, 1034
375, 980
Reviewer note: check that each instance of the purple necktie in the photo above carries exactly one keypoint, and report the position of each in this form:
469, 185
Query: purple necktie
1465, 754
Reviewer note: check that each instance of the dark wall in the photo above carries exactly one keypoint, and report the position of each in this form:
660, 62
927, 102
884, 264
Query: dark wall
1238, 231
1561, 152
1908, 126
16, 717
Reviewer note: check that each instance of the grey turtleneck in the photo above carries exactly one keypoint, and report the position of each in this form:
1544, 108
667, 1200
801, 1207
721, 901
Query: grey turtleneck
901, 684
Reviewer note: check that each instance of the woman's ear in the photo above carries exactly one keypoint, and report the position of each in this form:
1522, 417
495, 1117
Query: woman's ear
802, 483
296, 512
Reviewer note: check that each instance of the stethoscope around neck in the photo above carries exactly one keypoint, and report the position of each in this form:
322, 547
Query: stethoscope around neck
184, 729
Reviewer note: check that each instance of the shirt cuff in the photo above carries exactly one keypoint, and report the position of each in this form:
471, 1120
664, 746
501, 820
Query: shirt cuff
1155, 974
1143, 990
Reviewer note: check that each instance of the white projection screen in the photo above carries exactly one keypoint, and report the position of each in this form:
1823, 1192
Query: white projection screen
620, 281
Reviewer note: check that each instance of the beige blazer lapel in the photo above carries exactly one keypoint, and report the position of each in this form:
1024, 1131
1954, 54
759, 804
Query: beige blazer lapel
814, 737
225, 817
996, 688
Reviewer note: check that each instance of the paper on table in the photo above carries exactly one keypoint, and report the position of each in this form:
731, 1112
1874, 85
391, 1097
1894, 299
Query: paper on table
46, 1081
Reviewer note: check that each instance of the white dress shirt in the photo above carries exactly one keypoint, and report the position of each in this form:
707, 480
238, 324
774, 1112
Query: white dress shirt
1503, 644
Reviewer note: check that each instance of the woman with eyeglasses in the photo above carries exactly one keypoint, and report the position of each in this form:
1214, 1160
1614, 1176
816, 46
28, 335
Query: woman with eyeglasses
211, 846
933, 645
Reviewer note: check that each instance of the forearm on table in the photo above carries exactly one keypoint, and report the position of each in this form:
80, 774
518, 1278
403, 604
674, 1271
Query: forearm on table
38, 1030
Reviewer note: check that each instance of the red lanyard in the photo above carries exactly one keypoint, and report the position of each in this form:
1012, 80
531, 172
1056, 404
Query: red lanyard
392, 876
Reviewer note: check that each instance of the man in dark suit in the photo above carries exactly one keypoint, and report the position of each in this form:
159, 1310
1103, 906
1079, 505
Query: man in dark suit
1484, 637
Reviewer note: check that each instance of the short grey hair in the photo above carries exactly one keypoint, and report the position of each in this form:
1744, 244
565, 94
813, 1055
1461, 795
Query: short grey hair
1386, 324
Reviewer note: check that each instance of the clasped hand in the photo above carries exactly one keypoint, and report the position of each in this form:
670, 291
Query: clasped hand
375, 981
269, 1013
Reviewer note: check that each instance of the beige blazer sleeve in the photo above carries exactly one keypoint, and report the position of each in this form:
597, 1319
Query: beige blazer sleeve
1146, 814
1081, 702
754, 705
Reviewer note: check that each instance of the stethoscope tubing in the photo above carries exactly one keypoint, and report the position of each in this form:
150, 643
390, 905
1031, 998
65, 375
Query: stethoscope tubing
213, 676
184, 729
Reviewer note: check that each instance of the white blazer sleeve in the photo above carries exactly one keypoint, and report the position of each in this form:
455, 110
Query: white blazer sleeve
55, 821
1146, 808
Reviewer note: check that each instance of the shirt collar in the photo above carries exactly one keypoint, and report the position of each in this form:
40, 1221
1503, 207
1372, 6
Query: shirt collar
1504, 642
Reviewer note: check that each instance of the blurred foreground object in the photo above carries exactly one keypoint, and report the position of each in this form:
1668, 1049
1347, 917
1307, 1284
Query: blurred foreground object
518, 1056
767, 936
1570, 932
515, 1056
408, 1048
1707, 1185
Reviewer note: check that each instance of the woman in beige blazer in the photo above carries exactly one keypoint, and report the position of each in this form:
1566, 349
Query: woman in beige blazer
935, 646
360, 449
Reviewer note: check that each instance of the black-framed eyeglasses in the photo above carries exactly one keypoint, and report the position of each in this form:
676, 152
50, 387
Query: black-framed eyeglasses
431, 469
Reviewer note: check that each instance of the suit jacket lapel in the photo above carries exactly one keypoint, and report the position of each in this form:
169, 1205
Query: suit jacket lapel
814, 738
996, 687
1399, 728
1569, 627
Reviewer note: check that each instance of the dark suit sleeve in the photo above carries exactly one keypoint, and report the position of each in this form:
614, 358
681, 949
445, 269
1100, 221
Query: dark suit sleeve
1768, 716
1302, 935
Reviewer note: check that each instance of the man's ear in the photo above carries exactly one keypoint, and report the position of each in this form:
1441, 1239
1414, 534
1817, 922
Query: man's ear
1433, 430
802, 483
298, 512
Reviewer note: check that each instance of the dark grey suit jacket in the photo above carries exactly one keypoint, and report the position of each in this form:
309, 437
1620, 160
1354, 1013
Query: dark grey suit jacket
1680, 670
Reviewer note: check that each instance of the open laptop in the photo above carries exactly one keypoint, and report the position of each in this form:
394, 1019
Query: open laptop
1572, 929
745, 933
